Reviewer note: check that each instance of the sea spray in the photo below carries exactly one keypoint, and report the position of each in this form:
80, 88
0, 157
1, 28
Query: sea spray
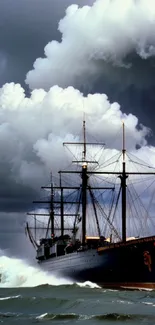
19, 273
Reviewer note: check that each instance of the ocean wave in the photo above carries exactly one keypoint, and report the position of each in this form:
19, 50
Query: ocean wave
11, 297
108, 317
88, 284
58, 316
18, 273
115, 316
8, 315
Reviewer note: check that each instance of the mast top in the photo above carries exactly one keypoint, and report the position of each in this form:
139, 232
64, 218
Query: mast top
123, 146
84, 140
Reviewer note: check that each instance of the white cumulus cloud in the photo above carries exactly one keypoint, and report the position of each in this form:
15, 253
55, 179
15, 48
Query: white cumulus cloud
32, 129
95, 39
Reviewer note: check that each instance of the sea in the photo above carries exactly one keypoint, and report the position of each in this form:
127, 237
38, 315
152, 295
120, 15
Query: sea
31, 296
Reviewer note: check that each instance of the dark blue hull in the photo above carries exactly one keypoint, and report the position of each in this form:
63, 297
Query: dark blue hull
131, 264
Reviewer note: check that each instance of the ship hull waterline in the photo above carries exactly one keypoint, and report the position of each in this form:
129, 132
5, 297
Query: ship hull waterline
130, 265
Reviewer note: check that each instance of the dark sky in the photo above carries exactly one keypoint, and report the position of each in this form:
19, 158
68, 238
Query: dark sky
26, 26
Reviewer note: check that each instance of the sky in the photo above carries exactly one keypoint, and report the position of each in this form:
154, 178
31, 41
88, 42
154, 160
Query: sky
26, 26
97, 57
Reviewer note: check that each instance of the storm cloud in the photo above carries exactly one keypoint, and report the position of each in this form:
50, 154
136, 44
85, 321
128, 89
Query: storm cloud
26, 26
101, 56
107, 47
33, 128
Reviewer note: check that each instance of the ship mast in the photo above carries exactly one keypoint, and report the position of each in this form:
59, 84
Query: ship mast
85, 173
123, 178
52, 208
62, 208
84, 186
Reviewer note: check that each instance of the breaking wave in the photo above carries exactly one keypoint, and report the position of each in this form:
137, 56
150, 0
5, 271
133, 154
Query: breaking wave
70, 316
18, 273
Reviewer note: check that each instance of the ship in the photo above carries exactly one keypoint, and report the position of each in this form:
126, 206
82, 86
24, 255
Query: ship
94, 246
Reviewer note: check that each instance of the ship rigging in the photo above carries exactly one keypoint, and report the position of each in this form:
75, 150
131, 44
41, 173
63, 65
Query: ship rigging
112, 256
83, 190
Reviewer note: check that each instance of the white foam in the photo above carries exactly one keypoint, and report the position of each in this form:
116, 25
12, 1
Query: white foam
11, 297
124, 302
42, 316
88, 284
18, 273
113, 290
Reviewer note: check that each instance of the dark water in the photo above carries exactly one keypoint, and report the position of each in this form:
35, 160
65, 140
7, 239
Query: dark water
24, 299
71, 304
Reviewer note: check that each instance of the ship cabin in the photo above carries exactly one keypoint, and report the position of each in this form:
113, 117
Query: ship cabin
58, 246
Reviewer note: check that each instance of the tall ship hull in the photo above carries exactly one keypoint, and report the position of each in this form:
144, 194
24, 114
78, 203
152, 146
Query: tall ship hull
110, 258
131, 265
